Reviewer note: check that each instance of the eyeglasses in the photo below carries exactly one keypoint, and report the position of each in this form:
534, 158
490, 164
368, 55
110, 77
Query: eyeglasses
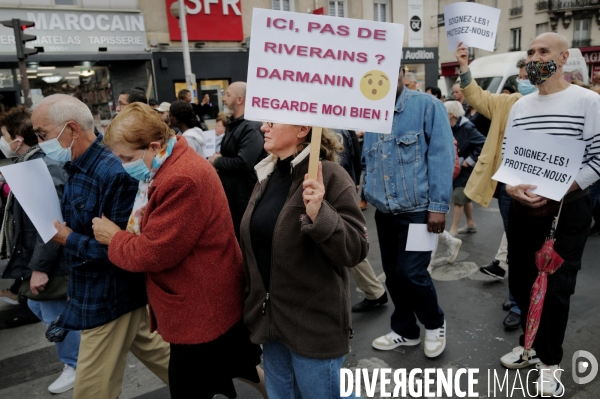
42, 136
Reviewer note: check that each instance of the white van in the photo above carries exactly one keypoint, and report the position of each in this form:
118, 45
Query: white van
494, 71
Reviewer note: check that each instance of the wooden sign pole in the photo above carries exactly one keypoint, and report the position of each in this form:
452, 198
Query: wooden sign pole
315, 151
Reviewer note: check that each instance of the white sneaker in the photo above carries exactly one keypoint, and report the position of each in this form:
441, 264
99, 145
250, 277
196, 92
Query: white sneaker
548, 383
435, 341
392, 340
514, 360
7, 296
65, 382
453, 248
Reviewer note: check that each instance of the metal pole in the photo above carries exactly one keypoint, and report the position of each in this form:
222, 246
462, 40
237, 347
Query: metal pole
25, 83
190, 78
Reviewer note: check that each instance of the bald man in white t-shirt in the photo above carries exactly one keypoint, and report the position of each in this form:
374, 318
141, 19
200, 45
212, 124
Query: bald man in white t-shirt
564, 110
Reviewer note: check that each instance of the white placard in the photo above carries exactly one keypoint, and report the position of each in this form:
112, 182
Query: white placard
471, 23
36, 95
32, 184
415, 23
315, 70
549, 162
210, 142
419, 239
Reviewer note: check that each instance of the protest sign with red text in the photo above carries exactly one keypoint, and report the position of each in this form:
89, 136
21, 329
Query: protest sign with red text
315, 70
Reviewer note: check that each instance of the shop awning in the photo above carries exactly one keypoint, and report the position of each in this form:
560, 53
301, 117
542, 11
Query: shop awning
591, 54
450, 69
79, 57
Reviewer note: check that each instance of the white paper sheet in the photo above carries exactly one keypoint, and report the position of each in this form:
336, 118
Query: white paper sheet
419, 239
473, 24
32, 184
210, 141
549, 162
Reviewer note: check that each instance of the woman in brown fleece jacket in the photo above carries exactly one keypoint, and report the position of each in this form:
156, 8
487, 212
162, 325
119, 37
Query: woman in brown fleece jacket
298, 238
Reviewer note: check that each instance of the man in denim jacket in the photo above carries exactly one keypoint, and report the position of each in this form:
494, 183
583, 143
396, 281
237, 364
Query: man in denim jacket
409, 180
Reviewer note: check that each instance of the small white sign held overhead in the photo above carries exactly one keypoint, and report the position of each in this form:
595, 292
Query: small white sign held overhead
549, 162
473, 24
32, 185
316, 70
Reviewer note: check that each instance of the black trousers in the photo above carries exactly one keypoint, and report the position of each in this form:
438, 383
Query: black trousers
526, 235
406, 277
201, 371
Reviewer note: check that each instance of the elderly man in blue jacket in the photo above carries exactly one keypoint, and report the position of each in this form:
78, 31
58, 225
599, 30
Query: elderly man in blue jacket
107, 303
409, 180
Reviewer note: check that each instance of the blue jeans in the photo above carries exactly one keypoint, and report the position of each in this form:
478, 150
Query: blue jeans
406, 277
48, 311
504, 202
291, 376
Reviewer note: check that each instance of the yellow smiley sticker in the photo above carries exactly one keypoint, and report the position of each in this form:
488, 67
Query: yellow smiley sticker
375, 85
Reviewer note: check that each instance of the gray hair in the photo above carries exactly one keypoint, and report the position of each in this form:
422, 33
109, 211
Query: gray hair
521, 63
455, 108
410, 76
63, 108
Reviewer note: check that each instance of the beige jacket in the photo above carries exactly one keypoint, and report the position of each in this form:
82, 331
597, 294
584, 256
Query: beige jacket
496, 107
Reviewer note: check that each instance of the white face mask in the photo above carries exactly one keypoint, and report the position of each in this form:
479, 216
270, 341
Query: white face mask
6, 150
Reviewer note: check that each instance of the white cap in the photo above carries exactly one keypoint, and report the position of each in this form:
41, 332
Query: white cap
163, 107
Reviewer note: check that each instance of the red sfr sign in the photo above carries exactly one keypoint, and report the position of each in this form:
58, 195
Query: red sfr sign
209, 20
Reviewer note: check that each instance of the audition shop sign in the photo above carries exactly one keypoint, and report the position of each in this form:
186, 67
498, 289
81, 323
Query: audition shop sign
315, 70
549, 162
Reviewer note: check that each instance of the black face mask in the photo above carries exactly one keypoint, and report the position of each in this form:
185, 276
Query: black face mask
539, 71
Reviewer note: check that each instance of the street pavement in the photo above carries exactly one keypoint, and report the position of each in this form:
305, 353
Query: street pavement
471, 301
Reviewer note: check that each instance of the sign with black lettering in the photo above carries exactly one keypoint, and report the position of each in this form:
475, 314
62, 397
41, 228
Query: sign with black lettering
549, 162
473, 24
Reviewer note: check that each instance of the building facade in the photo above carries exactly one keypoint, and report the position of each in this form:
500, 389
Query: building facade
94, 49
220, 56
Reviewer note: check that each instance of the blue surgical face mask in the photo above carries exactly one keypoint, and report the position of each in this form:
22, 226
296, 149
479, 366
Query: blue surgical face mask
55, 151
137, 169
525, 87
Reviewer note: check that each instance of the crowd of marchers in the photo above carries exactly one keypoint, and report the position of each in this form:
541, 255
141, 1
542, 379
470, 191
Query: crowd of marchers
237, 265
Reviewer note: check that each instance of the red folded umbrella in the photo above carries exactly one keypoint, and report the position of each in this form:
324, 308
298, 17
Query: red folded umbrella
547, 261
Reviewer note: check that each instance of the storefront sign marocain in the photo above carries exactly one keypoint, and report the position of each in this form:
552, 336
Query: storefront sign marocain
78, 31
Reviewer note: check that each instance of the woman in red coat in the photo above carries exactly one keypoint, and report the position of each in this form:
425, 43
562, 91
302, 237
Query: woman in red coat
181, 235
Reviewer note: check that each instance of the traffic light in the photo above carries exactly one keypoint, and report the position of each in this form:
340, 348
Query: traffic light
21, 38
